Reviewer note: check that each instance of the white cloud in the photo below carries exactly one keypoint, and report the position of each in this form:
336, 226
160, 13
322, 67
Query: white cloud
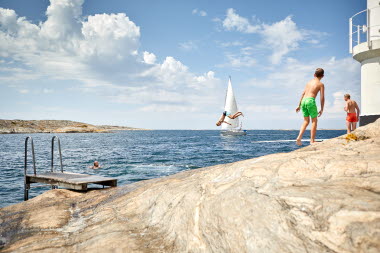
23, 91
109, 35
231, 44
100, 51
168, 86
172, 73
199, 12
149, 58
280, 37
243, 59
188, 45
238, 61
216, 20
337, 104
67, 46
47, 91
11, 74
203, 13
313, 41
235, 22
63, 20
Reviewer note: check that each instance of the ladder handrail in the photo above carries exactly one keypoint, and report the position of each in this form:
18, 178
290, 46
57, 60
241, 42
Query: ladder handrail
26, 155
52, 153
26, 184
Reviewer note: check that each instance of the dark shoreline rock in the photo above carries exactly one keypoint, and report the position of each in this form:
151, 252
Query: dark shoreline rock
55, 126
322, 198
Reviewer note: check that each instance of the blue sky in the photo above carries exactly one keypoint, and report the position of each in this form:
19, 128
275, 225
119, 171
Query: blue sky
165, 64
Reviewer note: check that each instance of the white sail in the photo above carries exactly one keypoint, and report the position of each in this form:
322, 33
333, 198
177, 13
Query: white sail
231, 108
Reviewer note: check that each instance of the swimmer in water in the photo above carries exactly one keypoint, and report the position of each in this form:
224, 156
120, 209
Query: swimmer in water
96, 166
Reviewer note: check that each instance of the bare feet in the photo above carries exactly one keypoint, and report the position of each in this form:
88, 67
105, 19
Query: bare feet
313, 142
299, 143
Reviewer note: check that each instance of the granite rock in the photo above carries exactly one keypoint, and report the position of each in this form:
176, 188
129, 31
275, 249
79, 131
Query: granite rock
321, 198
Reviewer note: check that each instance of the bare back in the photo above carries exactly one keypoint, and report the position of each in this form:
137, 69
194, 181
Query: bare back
351, 105
312, 88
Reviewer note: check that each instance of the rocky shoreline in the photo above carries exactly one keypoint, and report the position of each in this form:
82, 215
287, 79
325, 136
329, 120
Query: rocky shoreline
55, 126
321, 198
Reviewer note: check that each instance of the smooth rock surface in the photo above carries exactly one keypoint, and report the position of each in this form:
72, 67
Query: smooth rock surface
322, 198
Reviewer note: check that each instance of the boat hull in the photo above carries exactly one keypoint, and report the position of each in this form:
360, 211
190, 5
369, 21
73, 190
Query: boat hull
234, 132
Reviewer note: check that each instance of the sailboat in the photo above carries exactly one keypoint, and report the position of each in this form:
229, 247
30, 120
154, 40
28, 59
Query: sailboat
231, 107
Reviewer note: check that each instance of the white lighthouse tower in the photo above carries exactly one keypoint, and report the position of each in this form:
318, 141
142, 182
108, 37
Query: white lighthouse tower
365, 48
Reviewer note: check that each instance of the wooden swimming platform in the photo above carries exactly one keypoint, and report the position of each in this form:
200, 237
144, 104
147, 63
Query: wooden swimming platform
68, 180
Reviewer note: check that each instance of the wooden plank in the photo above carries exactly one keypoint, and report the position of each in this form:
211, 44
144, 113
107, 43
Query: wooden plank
72, 178
81, 187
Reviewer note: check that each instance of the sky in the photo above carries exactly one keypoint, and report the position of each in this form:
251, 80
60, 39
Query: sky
165, 64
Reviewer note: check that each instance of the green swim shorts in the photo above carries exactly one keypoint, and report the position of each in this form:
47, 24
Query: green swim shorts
309, 107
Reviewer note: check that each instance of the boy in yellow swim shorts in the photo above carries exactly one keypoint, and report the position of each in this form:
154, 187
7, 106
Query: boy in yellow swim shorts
309, 106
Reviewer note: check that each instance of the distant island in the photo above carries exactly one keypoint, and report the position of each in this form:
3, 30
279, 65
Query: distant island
55, 126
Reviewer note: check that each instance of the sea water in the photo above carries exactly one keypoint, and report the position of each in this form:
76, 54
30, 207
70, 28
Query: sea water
131, 156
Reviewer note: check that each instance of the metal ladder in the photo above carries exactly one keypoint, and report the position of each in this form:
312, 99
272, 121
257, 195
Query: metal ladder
52, 153
52, 157
26, 183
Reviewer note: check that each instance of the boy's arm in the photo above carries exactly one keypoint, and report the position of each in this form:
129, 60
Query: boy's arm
322, 100
346, 107
357, 110
299, 104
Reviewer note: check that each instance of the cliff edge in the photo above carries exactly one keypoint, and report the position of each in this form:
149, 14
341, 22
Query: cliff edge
322, 198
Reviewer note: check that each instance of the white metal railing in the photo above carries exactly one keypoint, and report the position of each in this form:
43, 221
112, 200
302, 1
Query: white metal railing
365, 28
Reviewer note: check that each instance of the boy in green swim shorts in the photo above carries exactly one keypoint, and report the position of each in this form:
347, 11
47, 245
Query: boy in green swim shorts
309, 106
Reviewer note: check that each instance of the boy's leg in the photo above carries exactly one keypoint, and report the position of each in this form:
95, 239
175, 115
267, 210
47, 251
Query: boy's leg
353, 126
348, 124
235, 115
313, 130
302, 130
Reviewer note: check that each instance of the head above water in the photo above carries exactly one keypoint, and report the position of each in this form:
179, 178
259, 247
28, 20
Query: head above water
347, 97
96, 164
319, 73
